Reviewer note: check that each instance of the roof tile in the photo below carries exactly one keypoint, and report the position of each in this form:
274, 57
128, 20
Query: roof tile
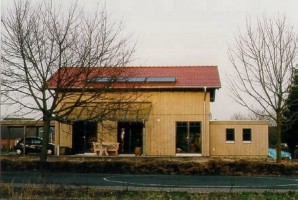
186, 76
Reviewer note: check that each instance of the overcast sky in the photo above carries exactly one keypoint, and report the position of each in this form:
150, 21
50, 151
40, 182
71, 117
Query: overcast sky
192, 32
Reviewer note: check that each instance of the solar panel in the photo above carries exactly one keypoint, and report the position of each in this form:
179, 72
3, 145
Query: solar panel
120, 79
161, 79
136, 79
99, 80
133, 79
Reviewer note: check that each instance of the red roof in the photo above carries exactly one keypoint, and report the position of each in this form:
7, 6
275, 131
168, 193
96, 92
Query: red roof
185, 76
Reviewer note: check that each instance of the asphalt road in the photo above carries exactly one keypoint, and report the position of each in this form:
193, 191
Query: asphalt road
154, 182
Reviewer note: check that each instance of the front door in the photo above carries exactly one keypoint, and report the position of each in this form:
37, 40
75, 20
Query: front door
130, 136
84, 133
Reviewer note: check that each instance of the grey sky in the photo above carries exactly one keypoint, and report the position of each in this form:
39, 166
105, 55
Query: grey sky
192, 32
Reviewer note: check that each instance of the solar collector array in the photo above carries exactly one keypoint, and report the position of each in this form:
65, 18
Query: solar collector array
133, 79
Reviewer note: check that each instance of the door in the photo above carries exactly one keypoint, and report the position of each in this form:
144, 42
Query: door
84, 133
130, 136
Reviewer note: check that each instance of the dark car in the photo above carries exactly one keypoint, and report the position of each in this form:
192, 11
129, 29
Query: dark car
32, 145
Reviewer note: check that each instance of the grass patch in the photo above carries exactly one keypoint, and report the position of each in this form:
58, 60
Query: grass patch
29, 191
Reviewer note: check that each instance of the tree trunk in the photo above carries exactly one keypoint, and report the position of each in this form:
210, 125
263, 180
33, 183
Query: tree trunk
45, 139
278, 139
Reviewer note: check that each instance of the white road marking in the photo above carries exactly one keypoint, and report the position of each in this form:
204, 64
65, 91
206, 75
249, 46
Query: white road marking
110, 179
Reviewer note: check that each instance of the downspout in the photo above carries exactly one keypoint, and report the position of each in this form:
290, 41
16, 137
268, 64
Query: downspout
204, 121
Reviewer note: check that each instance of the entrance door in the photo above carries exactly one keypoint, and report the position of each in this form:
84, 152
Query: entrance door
130, 136
84, 133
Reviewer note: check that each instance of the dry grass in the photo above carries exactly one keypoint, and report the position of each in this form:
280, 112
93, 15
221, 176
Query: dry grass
151, 165
30, 191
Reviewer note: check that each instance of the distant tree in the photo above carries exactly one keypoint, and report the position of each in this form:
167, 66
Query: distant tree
257, 115
43, 38
290, 127
263, 62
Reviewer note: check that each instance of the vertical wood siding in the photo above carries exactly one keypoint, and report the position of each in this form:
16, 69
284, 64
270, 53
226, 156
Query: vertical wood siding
257, 147
160, 128
169, 108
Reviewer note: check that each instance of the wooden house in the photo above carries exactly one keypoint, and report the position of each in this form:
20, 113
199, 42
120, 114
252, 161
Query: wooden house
170, 117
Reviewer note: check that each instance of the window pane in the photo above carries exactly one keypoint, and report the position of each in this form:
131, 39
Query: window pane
195, 137
188, 137
31, 131
230, 134
181, 124
246, 134
181, 137
14, 132
194, 124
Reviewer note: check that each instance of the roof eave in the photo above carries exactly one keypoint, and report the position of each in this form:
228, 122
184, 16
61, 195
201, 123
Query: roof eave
148, 87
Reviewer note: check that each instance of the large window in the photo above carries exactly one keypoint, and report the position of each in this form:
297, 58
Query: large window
230, 135
246, 135
188, 137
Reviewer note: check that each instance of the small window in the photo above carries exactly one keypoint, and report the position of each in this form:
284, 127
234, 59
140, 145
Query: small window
230, 135
246, 135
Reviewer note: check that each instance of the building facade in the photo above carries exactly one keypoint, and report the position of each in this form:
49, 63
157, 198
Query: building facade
170, 117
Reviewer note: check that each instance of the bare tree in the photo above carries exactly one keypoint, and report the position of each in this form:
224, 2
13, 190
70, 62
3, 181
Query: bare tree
253, 116
43, 41
263, 60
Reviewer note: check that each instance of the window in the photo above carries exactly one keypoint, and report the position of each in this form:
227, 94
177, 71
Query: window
230, 135
246, 135
188, 137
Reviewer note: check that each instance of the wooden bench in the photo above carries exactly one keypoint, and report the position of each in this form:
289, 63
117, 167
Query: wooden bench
101, 148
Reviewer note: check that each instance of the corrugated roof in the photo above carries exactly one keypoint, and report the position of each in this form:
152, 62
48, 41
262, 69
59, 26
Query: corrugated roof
185, 76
